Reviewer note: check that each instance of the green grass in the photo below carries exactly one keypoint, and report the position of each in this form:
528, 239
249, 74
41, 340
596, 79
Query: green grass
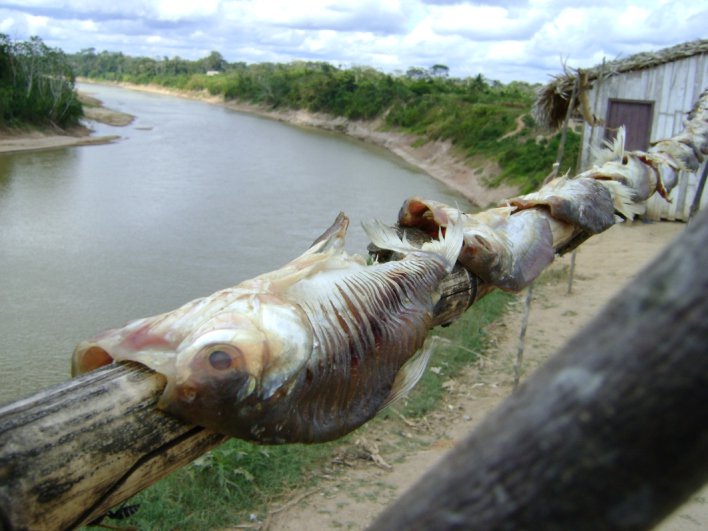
226, 486
231, 483
463, 341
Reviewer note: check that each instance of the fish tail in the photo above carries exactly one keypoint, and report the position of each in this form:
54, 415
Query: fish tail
448, 245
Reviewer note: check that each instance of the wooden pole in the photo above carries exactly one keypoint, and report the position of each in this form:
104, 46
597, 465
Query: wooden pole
571, 272
70, 453
522, 336
695, 206
581, 166
612, 433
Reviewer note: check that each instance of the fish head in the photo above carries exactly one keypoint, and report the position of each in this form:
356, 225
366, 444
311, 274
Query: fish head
216, 354
234, 363
216, 369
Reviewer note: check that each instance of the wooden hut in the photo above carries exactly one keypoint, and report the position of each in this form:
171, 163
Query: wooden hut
649, 93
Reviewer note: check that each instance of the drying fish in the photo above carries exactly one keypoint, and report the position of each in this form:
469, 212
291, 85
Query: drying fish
502, 249
581, 202
306, 353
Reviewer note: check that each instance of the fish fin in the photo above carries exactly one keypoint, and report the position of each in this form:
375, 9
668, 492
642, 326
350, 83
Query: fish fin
623, 199
410, 373
324, 251
448, 246
333, 237
611, 150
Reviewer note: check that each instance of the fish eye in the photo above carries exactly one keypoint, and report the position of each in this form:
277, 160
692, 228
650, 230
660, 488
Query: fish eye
219, 360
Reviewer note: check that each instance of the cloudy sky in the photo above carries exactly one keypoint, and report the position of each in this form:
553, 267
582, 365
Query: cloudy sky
510, 40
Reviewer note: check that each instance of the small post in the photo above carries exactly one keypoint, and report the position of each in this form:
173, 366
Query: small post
571, 272
522, 336
699, 193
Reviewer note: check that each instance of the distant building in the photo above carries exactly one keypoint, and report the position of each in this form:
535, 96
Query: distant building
649, 93
213, 73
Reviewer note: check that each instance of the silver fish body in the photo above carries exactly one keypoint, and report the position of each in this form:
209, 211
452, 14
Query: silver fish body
505, 250
306, 353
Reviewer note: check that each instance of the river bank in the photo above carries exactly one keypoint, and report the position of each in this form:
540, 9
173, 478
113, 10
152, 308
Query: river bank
436, 158
34, 140
31, 139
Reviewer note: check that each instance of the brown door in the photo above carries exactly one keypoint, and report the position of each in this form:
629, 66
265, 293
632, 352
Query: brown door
636, 116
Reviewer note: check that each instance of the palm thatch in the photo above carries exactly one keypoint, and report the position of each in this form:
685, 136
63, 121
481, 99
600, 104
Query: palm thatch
551, 105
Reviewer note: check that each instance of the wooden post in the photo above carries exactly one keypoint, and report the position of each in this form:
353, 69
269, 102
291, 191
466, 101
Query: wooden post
73, 451
612, 433
695, 206
571, 272
522, 336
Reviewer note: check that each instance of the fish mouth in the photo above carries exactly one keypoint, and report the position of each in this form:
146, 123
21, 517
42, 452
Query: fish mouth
88, 357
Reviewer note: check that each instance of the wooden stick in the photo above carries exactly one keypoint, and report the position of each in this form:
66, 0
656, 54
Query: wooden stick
696, 204
571, 272
612, 433
71, 452
522, 336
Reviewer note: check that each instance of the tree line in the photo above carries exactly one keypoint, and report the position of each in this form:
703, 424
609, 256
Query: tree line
36, 85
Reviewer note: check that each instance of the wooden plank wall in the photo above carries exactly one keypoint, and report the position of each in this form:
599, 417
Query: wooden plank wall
674, 88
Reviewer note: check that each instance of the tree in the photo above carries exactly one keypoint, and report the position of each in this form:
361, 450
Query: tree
440, 71
214, 61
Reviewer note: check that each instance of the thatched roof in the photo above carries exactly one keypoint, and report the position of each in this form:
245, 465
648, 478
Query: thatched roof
551, 105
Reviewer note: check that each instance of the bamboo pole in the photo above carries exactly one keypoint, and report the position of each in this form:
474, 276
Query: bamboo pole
70, 453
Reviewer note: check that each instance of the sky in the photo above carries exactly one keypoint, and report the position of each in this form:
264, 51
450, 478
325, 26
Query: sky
516, 40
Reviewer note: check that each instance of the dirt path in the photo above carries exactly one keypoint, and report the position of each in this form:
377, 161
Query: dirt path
388, 457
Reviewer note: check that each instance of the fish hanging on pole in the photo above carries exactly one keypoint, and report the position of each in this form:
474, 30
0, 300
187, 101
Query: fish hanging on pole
306, 353
507, 247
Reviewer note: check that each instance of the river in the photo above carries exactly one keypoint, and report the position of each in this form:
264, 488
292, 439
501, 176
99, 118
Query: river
193, 198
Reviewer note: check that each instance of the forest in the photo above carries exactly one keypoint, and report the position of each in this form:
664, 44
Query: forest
36, 86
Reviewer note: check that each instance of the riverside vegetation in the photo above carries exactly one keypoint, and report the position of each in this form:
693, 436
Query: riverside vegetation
36, 86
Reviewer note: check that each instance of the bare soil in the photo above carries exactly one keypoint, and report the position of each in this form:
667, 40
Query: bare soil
387, 457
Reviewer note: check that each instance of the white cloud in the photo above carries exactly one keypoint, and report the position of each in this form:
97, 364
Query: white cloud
486, 22
505, 40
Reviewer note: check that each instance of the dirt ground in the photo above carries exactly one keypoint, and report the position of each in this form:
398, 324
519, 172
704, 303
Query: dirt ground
388, 457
